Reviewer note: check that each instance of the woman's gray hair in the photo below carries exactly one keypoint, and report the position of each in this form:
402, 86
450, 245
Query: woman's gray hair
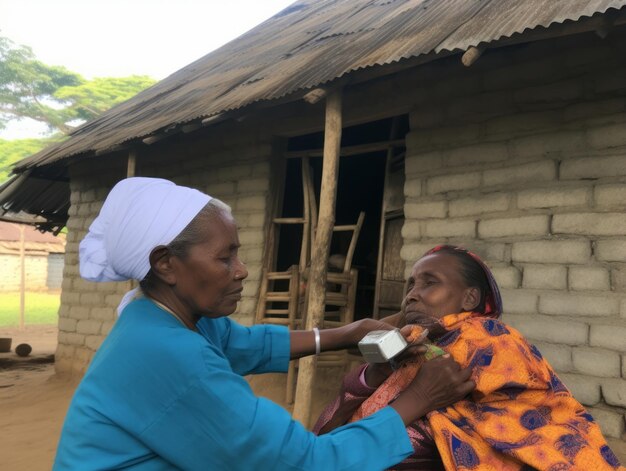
194, 233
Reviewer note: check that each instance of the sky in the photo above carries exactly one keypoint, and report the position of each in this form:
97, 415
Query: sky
117, 38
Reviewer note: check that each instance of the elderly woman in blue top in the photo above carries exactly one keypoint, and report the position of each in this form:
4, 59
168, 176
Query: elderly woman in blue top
165, 389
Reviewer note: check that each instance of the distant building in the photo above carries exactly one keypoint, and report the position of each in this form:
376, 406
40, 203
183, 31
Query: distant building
44, 254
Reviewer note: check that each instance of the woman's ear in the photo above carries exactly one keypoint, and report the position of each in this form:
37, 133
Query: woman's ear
471, 299
161, 265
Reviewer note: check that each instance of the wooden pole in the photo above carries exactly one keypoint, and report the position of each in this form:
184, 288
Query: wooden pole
316, 292
22, 274
132, 164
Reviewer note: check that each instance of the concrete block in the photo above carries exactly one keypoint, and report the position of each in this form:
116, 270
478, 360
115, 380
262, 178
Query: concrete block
479, 205
614, 392
91, 299
611, 250
507, 277
613, 135
71, 338
93, 342
426, 117
413, 251
610, 421
608, 336
586, 389
567, 90
624, 366
597, 362
67, 324
521, 123
103, 313
253, 185
222, 188
112, 300
559, 356
517, 175
610, 195
450, 136
588, 279
618, 279
247, 238
79, 312
429, 209
546, 144
595, 224
477, 153
517, 301
537, 225
411, 230
107, 326
412, 188
553, 198
568, 304
251, 203
234, 173
450, 228
545, 277
419, 163
593, 167
548, 329
454, 182
88, 326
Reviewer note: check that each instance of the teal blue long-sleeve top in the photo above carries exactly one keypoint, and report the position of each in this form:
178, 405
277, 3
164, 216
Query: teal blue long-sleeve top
160, 396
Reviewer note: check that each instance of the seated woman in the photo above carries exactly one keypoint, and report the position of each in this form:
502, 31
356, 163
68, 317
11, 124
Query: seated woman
520, 416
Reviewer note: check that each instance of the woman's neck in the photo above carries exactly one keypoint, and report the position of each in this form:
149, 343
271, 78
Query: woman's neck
170, 303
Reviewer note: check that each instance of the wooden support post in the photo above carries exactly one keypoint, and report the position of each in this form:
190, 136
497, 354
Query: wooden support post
471, 55
132, 164
316, 293
22, 228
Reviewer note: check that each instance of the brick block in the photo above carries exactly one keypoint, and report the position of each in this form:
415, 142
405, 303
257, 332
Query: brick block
426, 117
429, 209
484, 204
522, 123
557, 91
413, 251
611, 422
89, 326
455, 182
247, 238
546, 144
548, 329
234, 173
612, 135
577, 305
611, 250
597, 362
477, 153
610, 195
593, 167
553, 198
537, 225
411, 230
596, 224
222, 188
103, 313
67, 324
545, 277
253, 185
450, 228
93, 342
79, 312
107, 326
413, 188
450, 136
91, 299
559, 356
608, 336
588, 278
113, 300
534, 172
618, 279
71, 338
624, 366
251, 203
418, 163
507, 277
614, 392
586, 389
517, 301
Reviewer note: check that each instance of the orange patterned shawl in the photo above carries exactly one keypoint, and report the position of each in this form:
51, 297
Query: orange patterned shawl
520, 416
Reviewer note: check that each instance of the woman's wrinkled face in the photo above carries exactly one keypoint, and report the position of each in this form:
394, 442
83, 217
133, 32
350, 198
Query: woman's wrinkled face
436, 288
209, 280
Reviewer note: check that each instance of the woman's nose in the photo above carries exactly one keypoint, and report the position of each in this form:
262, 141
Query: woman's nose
241, 272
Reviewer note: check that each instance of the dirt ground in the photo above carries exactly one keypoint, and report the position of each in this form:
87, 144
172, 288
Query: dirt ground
33, 401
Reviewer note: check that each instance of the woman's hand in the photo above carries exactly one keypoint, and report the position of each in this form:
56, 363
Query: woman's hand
439, 383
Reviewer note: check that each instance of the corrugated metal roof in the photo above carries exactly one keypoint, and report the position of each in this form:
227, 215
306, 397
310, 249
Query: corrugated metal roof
308, 44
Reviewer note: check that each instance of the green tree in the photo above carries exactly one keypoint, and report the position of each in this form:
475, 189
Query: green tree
54, 95
13, 150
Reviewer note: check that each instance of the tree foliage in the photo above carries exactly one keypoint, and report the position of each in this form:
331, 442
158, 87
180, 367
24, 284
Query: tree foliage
12, 151
54, 95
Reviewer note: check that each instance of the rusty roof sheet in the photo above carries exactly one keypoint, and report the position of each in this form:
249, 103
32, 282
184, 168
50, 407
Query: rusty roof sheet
307, 44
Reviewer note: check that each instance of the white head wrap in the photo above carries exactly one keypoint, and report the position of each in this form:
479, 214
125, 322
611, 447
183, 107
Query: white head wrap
138, 215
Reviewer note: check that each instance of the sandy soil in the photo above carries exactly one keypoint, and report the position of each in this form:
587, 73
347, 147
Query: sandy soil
33, 401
